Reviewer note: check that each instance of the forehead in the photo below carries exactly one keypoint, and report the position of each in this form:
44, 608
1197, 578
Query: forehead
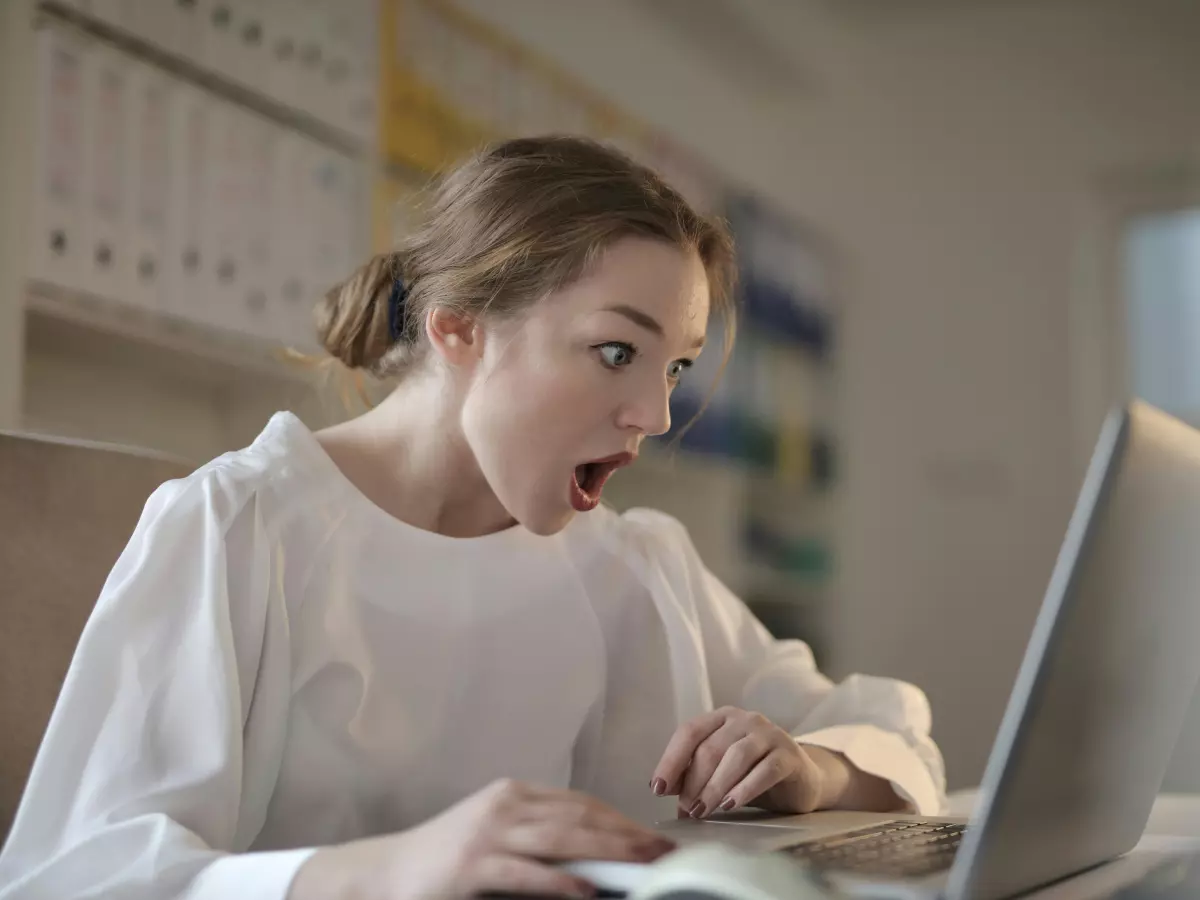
661, 280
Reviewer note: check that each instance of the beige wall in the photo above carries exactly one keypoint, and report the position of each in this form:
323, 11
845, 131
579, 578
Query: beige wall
949, 151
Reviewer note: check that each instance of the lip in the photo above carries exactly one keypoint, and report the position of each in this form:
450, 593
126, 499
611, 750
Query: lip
583, 501
620, 460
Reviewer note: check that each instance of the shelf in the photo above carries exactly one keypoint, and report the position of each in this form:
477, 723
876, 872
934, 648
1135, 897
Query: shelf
216, 83
72, 321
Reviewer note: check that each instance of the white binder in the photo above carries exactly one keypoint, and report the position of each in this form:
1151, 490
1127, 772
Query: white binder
106, 92
59, 244
187, 256
148, 184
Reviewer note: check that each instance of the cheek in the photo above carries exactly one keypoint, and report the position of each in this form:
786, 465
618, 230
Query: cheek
534, 410
518, 410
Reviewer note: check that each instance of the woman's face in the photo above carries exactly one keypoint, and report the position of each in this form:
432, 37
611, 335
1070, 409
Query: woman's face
565, 393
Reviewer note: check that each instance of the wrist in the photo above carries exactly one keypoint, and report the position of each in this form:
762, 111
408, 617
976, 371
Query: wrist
836, 775
324, 876
845, 786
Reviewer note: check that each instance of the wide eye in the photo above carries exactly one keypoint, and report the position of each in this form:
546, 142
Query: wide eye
616, 354
676, 369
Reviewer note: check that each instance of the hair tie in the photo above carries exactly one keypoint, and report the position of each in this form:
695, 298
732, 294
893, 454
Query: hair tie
396, 301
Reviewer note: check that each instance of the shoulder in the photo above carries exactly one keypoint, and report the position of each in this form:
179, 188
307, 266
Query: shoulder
645, 523
644, 534
261, 476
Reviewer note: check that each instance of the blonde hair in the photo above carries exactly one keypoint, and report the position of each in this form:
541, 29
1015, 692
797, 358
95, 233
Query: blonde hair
520, 220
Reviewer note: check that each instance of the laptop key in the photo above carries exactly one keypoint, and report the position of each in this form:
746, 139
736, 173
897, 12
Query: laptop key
900, 848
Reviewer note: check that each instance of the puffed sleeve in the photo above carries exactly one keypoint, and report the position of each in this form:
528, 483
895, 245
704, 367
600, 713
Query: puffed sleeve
154, 771
881, 725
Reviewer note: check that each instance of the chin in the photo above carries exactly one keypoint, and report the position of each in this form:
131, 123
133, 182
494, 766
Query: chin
547, 522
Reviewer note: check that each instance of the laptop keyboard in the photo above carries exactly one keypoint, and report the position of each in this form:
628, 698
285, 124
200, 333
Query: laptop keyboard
904, 848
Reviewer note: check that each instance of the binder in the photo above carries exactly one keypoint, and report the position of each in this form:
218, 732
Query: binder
187, 257
250, 58
309, 88
106, 93
357, 104
220, 41
324, 219
341, 49
118, 13
224, 230
58, 243
341, 244
257, 314
282, 65
148, 184
152, 20
187, 24
292, 222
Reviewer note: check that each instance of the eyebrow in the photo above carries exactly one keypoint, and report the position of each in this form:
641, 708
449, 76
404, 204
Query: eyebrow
637, 317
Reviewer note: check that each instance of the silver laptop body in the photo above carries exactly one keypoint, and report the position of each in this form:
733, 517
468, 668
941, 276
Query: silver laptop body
1098, 702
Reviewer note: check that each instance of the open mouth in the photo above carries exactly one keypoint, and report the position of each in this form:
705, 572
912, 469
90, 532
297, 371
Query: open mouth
587, 482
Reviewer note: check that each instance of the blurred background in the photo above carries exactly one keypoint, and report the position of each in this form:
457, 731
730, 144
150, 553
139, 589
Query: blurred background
966, 227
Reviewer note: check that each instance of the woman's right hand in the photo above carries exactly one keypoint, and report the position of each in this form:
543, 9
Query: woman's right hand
504, 838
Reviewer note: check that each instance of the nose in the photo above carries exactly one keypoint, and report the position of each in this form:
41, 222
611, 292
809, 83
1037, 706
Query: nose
649, 412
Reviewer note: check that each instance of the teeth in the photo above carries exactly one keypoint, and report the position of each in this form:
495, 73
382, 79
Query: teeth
591, 476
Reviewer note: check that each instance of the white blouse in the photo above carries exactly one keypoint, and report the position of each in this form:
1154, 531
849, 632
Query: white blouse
276, 664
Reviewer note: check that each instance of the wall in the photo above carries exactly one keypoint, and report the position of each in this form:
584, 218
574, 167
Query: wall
16, 109
949, 152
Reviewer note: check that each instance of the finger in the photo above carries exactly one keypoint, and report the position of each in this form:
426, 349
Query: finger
769, 772
705, 761
551, 840
737, 763
500, 873
574, 808
668, 774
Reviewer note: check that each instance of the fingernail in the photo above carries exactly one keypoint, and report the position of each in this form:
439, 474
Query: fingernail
728, 803
658, 786
697, 810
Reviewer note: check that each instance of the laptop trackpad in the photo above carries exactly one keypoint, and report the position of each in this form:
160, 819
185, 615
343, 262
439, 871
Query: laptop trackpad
734, 828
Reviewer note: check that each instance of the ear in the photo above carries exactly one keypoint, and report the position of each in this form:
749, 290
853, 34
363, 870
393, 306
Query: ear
454, 336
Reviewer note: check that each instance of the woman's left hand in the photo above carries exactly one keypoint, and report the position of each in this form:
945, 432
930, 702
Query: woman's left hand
731, 758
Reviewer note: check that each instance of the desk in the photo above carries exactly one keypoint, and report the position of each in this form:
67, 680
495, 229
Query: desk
1174, 827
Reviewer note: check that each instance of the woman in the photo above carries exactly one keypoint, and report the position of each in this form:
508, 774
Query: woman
411, 655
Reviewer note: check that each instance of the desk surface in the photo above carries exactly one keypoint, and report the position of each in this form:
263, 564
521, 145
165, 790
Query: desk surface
1174, 827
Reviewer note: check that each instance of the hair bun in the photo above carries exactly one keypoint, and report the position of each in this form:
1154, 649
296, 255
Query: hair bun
353, 318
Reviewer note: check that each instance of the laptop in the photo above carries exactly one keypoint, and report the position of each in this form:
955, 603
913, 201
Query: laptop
1095, 712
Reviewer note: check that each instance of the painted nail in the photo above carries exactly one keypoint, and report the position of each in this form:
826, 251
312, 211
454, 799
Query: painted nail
728, 803
658, 786
697, 810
